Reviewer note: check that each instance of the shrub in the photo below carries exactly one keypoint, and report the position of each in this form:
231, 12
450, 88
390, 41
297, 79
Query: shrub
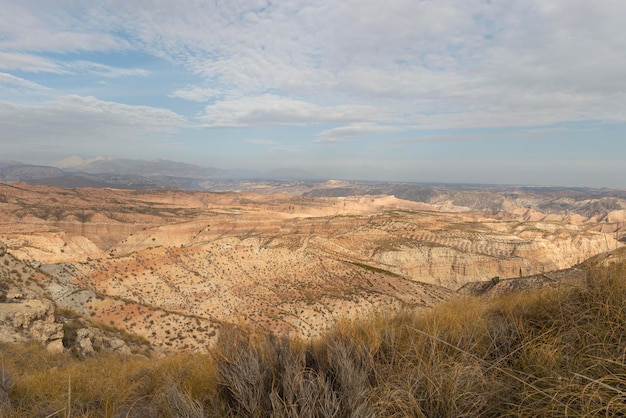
555, 352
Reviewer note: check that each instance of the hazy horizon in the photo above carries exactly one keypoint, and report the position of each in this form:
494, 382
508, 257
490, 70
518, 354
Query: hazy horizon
291, 173
518, 92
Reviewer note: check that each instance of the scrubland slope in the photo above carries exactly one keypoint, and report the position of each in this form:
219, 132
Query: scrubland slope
559, 351
171, 266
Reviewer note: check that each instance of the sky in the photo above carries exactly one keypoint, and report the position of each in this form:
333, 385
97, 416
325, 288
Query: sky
473, 91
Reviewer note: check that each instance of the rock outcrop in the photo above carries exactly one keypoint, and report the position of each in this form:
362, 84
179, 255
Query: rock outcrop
86, 341
575, 275
28, 314
23, 317
26, 318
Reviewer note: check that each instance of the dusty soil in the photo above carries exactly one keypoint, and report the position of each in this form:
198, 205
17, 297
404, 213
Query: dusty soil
173, 266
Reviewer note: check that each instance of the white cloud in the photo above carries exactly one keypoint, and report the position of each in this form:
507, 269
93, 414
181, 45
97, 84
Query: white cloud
106, 71
272, 110
442, 64
36, 64
83, 120
29, 63
262, 141
64, 42
350, 132
359, 64
56, 26
10, 81
196, 94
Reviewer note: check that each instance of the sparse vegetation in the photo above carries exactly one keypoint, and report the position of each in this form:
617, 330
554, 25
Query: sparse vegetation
556, 352
374, 269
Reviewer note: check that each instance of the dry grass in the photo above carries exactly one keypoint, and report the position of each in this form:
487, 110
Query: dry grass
557, 352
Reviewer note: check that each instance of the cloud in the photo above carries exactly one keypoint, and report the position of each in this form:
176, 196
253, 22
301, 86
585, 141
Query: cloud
64, 42
262, 142
285, 149
83, 120
29, 63
361, 66
273, 110
10, 81
449, 55
196, 94
447, 64
350, 132
106, 71
56, 27
36, 64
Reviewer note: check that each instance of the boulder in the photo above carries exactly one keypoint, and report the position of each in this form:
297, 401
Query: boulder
14, 294
55, 347
26, 319
44, 331
24, 314
119, 346
83, 341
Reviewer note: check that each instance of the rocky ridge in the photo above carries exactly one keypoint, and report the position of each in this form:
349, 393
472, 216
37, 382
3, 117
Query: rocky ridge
29, 314
172, 266
571, 276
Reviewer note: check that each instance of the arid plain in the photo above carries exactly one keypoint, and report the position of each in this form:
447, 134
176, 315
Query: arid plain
293, 258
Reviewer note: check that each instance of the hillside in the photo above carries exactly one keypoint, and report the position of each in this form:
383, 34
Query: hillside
550, 352
175, 266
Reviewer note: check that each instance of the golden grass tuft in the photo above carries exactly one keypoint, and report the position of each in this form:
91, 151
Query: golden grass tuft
550, 352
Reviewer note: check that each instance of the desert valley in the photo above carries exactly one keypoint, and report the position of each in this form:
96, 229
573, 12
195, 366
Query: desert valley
291, 257
295, 298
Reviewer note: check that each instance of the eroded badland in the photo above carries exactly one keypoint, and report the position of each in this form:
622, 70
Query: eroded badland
173, 266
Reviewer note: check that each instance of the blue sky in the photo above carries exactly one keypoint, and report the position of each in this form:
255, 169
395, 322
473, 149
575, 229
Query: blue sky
518, 92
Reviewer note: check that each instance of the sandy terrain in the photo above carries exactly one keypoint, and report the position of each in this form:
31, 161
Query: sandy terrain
173, 266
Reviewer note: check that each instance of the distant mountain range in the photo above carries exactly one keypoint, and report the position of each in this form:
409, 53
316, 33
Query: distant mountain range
128, 173
8, 163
